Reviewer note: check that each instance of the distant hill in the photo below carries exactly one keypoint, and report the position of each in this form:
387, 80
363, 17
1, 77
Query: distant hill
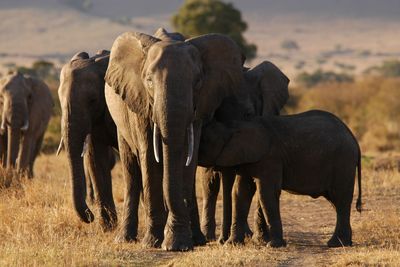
384, 9
338, 35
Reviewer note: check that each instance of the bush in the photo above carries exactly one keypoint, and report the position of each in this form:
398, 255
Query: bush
370, 107
40, 69
389, 68
197, 17
312, 79
290, 45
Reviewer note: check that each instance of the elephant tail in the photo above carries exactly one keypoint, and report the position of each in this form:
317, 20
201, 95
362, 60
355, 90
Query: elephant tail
358, 204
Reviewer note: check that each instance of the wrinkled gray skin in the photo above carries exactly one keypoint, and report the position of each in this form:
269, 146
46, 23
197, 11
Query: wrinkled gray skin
86, 119
311, 153
27, 107
264, 92
162, 88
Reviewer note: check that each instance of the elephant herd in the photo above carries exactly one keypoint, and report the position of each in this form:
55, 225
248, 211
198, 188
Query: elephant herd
176, 110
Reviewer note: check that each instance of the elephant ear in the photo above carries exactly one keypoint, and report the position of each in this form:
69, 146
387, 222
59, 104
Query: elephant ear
272, 84
248, 144
123, 74
222, 66
214, 136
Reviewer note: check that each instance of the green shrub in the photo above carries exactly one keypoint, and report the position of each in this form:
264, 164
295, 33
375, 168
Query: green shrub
197, 17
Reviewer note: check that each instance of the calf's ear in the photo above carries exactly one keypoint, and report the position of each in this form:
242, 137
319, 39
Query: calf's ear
248, 144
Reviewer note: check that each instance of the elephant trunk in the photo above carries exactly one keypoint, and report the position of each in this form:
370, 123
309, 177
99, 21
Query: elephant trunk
74, 143
12, 146
175, 187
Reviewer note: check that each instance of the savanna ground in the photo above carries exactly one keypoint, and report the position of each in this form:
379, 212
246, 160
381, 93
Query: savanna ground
38, 227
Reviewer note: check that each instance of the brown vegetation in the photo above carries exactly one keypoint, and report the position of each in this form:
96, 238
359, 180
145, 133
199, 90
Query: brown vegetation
38, 227
369, 106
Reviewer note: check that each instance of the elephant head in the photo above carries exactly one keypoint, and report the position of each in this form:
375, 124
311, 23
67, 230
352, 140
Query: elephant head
81, 94
264, 91
173, 83
16, 94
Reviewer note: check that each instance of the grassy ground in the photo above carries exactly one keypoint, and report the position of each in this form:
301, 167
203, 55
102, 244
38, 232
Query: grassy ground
38, 227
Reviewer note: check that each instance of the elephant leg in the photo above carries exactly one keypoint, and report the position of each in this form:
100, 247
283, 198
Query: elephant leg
35, 152
228, 179
342, 197
261, 233
156, 214
102, 185
239, 213
3, 149
132, 175
211, 182
88, 176
269, 192
24, 155
248, 196
198, 238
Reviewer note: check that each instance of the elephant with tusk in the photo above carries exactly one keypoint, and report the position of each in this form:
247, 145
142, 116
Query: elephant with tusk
88, 135
26, 111
158, 91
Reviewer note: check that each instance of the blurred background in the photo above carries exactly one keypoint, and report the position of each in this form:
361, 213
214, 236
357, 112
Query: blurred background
340, 55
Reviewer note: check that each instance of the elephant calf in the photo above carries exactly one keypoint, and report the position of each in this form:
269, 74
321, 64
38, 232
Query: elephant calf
27, 107
311, 153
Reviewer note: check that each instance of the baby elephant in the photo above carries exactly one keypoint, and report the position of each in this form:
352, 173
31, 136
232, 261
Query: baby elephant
312, 153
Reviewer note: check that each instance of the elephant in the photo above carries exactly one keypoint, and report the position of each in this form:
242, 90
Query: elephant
264, 92
88, 135
312, 153
27, 107
159, 92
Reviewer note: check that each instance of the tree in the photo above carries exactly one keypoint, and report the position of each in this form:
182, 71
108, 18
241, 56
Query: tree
197, 17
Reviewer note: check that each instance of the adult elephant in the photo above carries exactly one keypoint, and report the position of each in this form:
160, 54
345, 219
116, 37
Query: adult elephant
88, 134
263, 92
27, 107
158, 92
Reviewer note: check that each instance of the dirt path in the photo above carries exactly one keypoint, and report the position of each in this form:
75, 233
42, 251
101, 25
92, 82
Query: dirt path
308, 224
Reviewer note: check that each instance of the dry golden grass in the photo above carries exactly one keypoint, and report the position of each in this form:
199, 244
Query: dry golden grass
38, 227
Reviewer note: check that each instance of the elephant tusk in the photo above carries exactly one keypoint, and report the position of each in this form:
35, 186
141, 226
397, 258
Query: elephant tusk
3, 125
85, 145
156, 143
190, 144
25, 126
60, 146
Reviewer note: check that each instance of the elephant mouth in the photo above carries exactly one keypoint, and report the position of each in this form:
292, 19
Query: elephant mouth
156, 143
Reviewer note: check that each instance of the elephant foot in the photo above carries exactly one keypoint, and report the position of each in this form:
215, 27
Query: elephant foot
261, 238
247, 231
337, 241
277, 243
208, 233
234, 240
198, 238
153, 239
124, 237
177, 239
108, 221
222, 239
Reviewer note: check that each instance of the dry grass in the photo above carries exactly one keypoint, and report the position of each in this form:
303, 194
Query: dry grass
38, 227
